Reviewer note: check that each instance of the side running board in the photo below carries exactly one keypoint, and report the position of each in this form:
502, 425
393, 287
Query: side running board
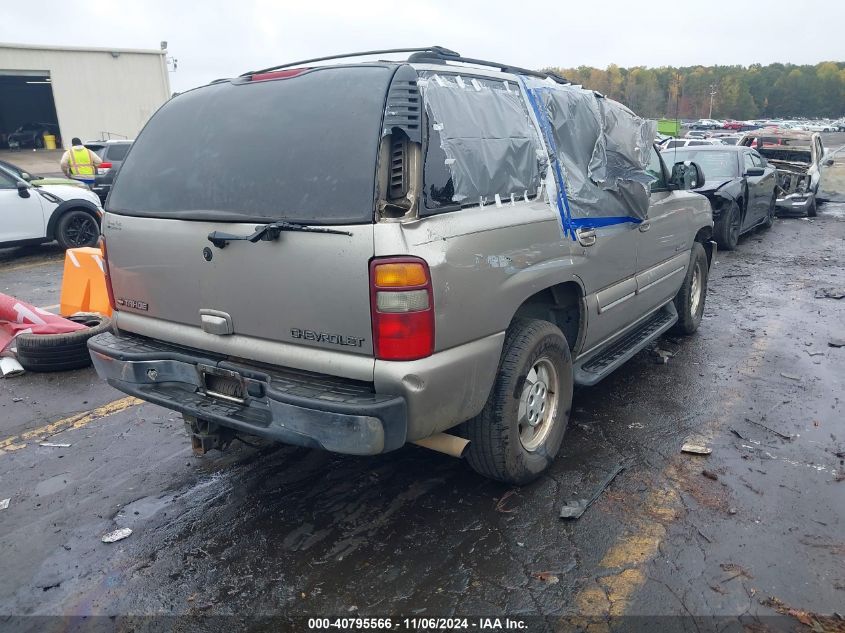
590, 370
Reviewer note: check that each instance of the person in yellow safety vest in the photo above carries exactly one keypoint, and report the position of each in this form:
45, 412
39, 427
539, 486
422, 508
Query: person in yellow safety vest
80, 163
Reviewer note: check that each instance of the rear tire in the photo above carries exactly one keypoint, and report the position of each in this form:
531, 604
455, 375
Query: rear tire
769, 222
60, 352
689, 301
728, 227
518, 434
76, 229
812, 211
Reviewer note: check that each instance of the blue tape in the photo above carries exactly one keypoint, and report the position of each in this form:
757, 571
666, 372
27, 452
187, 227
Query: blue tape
595, 223
569, 225
560, 183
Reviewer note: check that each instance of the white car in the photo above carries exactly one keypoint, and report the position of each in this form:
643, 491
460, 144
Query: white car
816, 126
707, 124
685, 142
36, 214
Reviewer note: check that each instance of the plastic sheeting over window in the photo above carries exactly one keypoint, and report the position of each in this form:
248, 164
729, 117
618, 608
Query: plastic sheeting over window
480, 129
599, 151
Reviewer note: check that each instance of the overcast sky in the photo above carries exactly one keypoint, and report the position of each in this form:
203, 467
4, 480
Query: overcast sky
215, 38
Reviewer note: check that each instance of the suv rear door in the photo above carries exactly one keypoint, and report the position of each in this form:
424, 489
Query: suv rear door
231, 157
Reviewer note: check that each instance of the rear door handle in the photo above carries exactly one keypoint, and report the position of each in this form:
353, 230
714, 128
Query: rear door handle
644, 226
586, 237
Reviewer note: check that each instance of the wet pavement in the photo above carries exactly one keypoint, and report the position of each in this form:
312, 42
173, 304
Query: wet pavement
269, 529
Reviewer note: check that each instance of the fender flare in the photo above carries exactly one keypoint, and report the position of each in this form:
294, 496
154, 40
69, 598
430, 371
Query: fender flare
68, 205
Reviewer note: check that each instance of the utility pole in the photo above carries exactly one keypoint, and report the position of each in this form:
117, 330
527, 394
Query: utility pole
713, 92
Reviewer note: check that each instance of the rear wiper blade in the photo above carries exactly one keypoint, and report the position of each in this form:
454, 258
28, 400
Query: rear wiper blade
269, 232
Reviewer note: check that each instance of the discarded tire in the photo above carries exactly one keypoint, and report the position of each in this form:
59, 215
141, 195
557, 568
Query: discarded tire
60, 352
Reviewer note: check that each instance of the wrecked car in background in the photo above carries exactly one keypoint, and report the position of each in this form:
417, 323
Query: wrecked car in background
454, 244
798, 157
740, 185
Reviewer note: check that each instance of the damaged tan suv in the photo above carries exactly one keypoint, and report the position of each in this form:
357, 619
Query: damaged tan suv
360, 255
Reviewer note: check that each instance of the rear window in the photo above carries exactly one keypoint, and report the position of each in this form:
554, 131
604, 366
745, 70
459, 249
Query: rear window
303, 149
116, 152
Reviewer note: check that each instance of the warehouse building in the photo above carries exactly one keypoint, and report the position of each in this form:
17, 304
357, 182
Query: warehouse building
92, 93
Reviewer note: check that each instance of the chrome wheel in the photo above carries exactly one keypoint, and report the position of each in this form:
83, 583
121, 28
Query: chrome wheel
538, 404
696, 289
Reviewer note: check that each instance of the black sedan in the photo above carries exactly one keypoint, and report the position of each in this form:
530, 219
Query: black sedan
740, 185
31, 135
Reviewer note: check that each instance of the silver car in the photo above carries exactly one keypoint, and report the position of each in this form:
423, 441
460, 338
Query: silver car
357, 256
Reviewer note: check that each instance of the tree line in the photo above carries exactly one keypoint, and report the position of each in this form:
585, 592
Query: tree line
741, 92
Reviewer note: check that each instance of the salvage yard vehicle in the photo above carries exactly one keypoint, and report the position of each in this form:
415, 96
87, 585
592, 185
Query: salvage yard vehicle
390, 251
797, 156
34, 214
31, 135
740, 186
113, 153
40, 180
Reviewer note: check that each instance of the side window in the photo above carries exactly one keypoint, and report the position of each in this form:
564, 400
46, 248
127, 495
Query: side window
698, 143
748, 163
480, 143
656, 170
757, 160
6, 181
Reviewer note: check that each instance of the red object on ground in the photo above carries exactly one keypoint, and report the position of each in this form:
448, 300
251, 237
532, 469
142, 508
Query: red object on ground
17, 317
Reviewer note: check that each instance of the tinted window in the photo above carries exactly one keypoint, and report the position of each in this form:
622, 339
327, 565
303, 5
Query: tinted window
756, 160
11, 168
714, 164
673, 144
747, 162
116, 152
302, 148
6, 181
698, 143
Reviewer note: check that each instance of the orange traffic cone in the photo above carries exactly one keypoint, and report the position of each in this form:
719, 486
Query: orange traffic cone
84, 283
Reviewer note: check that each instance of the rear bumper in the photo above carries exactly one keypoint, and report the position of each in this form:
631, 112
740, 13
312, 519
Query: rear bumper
301, 408
794, 204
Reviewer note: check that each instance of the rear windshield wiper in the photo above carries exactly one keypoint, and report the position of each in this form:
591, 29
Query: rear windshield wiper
269, 232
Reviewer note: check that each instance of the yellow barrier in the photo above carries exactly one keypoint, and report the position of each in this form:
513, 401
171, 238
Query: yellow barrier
49, 141
84, 283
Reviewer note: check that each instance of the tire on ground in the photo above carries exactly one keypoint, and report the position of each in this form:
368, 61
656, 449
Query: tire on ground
769, 222
724, 238
76, 215
60, 352
495, 448
688, 321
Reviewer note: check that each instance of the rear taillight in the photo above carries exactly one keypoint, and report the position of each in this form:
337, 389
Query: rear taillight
103, 168
106, 274
402, 305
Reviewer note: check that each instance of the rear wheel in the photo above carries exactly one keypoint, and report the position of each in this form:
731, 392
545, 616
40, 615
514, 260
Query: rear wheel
812, 211
517, 435
728, 227
689, 301
76, 229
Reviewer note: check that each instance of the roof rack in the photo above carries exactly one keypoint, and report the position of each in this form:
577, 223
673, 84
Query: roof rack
436, 54
437, 50
433, 55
